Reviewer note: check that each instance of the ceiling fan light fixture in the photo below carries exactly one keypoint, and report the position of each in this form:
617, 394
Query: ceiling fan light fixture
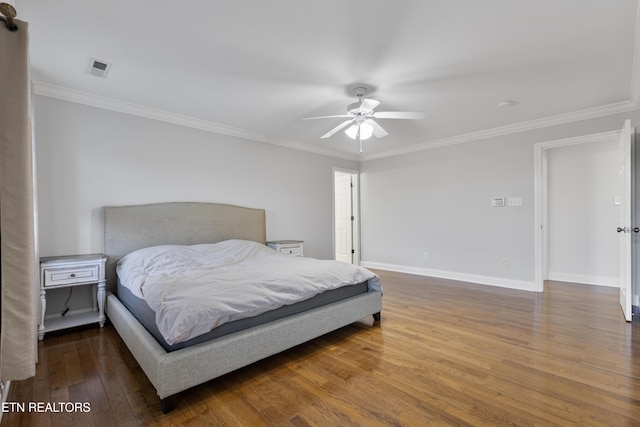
352, 131
361, 115
366, 130
360, 130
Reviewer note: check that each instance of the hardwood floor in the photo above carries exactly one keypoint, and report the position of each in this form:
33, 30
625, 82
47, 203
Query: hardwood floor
445, 353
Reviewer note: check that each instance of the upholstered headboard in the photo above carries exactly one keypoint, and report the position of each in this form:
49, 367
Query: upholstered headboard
127, 228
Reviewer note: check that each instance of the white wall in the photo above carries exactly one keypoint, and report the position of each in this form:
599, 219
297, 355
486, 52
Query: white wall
89, 157
435, 201
583, 181
438, 201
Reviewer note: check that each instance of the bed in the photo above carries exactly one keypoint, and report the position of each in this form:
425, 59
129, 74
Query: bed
175, 369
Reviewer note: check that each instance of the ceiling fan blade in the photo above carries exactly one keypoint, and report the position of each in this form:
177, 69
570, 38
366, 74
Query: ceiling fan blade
327, 117
399, 115
377, 129
368, 105
336, 129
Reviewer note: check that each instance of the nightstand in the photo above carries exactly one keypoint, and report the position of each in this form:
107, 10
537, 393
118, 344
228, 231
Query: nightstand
287, 247
67, 271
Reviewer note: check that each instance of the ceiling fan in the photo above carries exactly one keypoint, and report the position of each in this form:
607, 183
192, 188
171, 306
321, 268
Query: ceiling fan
361, 116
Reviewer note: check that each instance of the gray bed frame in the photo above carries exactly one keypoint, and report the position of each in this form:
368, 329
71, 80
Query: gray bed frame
127, 228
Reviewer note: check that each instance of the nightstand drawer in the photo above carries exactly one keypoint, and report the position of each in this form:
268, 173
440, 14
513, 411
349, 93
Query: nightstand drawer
295, 251
68, 276
287, 247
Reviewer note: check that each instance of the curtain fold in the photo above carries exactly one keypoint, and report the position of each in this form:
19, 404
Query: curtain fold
18, 339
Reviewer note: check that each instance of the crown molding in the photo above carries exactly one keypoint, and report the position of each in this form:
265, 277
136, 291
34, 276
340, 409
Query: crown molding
560, 119
93, 100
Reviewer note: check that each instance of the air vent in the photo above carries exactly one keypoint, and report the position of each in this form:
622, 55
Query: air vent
98, 68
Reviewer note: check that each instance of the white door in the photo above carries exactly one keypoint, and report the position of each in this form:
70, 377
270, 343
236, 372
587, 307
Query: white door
344, 217
625, 225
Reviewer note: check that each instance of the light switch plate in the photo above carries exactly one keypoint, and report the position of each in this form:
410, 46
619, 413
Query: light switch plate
515, 201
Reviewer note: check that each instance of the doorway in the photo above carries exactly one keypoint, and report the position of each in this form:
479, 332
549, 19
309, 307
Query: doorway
542, 205
583, 184
541, 199
345, 216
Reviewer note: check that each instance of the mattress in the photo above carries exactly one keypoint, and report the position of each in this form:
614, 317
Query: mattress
194, 289
146, 316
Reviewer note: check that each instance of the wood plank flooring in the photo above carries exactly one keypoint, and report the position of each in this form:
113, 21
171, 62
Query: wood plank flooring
445, 353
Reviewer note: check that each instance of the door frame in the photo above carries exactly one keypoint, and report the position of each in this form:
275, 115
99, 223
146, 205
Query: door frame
541, 203
355, 198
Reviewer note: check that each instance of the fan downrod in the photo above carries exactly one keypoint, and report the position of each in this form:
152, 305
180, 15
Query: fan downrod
360, 92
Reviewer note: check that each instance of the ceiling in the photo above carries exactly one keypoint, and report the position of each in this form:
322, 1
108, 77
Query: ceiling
256, 68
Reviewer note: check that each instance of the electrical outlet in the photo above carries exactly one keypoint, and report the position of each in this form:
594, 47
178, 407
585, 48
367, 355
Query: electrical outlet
504, 262
427, 256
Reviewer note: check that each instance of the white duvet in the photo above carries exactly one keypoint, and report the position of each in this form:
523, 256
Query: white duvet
193, 289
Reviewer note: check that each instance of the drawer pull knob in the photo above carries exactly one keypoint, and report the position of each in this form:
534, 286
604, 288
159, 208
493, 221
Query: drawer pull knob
73, 274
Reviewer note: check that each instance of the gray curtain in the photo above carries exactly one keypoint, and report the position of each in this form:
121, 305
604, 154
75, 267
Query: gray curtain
18, 340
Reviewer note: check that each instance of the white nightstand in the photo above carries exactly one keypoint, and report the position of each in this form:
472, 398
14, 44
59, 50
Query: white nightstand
287, 247
74, 270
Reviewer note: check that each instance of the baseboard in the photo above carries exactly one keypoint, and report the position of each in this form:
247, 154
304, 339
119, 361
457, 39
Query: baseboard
4, 392
584, 279
452, 275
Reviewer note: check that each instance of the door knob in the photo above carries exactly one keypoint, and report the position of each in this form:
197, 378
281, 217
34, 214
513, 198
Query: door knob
628, 229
